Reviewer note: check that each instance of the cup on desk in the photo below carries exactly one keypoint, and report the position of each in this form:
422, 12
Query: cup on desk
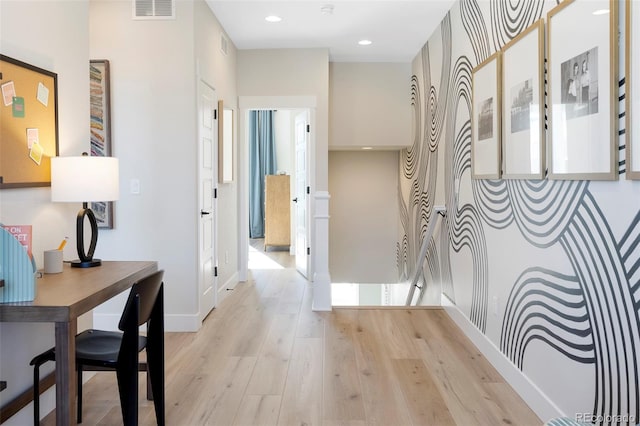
53, 261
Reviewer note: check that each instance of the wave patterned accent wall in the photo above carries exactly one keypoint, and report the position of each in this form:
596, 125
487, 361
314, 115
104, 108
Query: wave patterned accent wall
547, 270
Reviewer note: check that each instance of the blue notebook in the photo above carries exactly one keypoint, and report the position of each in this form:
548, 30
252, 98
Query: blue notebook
17, 269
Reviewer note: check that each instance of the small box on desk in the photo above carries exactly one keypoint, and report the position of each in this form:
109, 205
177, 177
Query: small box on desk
17, 269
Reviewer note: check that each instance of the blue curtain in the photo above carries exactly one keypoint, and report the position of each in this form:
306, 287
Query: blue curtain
262, 162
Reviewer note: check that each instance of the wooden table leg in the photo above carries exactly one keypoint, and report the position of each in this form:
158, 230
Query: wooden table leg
65, 372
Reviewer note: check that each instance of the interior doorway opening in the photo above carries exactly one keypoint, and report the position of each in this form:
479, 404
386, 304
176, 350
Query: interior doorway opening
293, 120
278, 141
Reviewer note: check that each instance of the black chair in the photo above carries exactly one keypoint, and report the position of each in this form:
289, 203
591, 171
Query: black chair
97, 350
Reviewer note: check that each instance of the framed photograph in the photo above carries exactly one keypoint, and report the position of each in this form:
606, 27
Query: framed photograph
485, 119
225, 143
632, 106
100, 124
582, 46
29, 124
523, 134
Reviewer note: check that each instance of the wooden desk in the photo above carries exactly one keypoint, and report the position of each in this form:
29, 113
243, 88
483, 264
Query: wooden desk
62, 298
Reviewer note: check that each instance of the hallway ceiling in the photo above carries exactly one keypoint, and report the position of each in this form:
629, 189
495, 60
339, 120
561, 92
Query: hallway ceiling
397, 28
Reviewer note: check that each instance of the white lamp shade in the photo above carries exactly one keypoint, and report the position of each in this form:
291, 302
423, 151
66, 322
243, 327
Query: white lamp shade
84, 179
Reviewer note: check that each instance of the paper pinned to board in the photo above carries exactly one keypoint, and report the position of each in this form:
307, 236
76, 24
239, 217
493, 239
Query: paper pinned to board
18, 107
43, 94
36, 153
32, 137
8, 93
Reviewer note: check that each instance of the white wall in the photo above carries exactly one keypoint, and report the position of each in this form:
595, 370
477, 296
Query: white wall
153, 106
369, 105
292, 72
364, 216
53, 36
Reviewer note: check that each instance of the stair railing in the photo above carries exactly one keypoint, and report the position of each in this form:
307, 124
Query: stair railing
438, 211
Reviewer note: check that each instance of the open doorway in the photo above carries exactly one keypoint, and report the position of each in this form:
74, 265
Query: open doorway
278, 195
301, 204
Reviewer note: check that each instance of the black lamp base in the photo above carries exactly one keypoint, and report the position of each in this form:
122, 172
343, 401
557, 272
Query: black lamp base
86, 260
85, 264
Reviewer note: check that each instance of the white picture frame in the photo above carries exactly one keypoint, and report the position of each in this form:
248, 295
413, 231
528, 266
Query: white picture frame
632, 96
523, 132
225, 143
485, 119
582, 49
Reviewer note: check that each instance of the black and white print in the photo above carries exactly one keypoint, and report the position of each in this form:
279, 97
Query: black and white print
521, 102
579, 84
485, 119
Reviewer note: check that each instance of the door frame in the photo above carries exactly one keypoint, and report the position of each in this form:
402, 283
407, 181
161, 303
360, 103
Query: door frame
245, 104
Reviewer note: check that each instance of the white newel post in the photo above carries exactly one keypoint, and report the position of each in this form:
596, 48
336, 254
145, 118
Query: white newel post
321, 277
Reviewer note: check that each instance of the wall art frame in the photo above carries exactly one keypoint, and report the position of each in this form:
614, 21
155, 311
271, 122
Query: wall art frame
486, 120
225, 143
582, 49
100, 128
523, 108
29, 117
632, 97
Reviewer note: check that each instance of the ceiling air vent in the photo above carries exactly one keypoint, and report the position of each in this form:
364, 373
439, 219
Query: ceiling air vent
154, 9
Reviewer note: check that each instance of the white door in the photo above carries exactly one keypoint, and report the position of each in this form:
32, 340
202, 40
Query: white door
301, 196
207, 172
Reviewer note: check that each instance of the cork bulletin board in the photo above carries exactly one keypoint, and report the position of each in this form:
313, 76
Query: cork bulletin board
28, 124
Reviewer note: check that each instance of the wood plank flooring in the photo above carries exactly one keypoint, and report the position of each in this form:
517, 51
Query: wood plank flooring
264, 358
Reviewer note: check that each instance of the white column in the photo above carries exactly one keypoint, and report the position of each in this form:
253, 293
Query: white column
321, 277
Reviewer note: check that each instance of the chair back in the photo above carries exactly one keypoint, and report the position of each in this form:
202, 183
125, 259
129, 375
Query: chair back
144, 305
142, 299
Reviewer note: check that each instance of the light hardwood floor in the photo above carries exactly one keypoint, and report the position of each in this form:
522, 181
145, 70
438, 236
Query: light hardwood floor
264, 358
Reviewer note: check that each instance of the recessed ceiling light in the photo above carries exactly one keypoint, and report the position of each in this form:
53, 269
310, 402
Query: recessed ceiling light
327, 9
367, 148
273, 18
365, 42
601, 12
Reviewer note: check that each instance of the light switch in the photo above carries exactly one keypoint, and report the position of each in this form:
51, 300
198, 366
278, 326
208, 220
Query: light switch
134, 186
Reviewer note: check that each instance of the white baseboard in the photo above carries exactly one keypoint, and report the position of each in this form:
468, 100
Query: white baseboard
528, 391
231, 282
181, 322
228, 286
321, 293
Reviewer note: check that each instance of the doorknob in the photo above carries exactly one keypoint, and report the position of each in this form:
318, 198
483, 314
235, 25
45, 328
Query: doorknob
295, 200
204, 213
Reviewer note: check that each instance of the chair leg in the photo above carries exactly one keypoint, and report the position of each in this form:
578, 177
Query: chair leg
128, 390
37, 362
155, 367
79, 391
149, 387
155, 357
36, 395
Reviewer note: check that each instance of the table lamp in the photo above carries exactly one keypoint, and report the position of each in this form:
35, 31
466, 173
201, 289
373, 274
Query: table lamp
84, 179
